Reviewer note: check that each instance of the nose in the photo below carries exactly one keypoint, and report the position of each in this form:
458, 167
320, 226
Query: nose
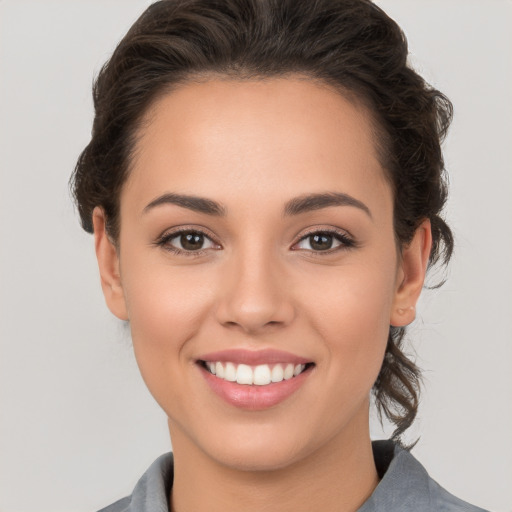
255, 295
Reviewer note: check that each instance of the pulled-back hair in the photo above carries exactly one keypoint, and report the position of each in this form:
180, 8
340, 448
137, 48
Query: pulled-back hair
351, 45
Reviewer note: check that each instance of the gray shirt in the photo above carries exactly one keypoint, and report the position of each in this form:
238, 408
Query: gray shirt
404, 487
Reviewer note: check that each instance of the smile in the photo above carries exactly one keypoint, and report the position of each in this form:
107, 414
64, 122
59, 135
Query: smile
254, 380
260, 375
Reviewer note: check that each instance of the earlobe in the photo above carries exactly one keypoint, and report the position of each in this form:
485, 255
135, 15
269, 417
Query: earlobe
411, 276
108, 263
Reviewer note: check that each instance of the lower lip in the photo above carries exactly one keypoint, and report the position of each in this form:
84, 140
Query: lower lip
254, 398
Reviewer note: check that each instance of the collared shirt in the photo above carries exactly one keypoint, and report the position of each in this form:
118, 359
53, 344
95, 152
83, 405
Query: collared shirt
404, 487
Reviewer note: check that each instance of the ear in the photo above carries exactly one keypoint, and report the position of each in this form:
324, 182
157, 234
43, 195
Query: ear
108, 263
411, 275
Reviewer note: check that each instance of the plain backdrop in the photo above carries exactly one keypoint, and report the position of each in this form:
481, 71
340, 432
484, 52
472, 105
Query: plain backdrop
77, 425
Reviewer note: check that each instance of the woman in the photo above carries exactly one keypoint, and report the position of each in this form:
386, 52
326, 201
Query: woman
265, 185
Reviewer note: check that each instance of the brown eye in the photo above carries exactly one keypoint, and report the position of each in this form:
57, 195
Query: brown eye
320, 242
191, 241
324, 241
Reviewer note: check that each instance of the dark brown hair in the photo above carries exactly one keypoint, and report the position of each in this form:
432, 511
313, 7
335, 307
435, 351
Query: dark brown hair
349, 44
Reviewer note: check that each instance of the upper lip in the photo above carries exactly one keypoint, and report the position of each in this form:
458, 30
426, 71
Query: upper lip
254, 357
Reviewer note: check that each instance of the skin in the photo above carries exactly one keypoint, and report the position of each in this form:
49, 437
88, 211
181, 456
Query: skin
252, 146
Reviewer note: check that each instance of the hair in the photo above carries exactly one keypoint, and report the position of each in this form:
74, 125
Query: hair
349, 44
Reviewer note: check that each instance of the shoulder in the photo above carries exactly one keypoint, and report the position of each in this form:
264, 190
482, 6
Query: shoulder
446, 502
121, 505
151, 494
406, 486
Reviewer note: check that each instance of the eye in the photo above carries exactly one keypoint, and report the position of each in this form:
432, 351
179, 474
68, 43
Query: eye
324, 241
187, 241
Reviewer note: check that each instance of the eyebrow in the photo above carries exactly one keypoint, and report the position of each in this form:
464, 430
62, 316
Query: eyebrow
197, 204
309, 202
295, 206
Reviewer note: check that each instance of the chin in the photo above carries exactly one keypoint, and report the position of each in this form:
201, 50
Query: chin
256, 459
245, 446
266, 446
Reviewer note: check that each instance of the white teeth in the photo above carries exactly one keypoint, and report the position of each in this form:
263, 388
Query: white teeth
244, 374
298, 369
277, 373
230, 372
260, 375
219, 370
288, 371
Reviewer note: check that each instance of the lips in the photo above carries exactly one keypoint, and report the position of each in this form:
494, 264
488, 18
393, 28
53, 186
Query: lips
254, 380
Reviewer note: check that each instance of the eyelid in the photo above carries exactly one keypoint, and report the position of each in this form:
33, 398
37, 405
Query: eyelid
346, 240
169, 234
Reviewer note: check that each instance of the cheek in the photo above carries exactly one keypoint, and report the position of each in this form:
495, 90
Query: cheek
350, 309
166, 307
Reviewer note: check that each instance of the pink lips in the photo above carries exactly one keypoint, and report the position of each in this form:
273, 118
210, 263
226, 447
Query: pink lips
253, 397
254, 357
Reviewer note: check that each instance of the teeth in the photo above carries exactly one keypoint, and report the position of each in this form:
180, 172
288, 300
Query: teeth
288, 371
298, 370
244, 374
219, 370
230, 372
260, 375
277, 373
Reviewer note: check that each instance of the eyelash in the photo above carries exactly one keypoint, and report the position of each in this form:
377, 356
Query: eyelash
346, 241
163, 241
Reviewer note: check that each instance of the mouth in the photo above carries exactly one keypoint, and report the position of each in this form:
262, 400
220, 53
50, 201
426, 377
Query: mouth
257, 375
254, 380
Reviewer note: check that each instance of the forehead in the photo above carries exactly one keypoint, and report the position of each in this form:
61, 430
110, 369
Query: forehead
227, 137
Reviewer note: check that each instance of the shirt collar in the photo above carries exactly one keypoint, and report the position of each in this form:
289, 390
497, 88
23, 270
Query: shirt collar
404, 484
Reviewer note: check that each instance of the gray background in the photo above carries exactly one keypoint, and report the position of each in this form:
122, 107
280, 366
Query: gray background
77, 426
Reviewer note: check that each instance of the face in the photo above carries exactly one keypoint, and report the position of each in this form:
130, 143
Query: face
256, 241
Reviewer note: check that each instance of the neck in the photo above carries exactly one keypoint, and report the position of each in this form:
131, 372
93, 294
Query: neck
339, 476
